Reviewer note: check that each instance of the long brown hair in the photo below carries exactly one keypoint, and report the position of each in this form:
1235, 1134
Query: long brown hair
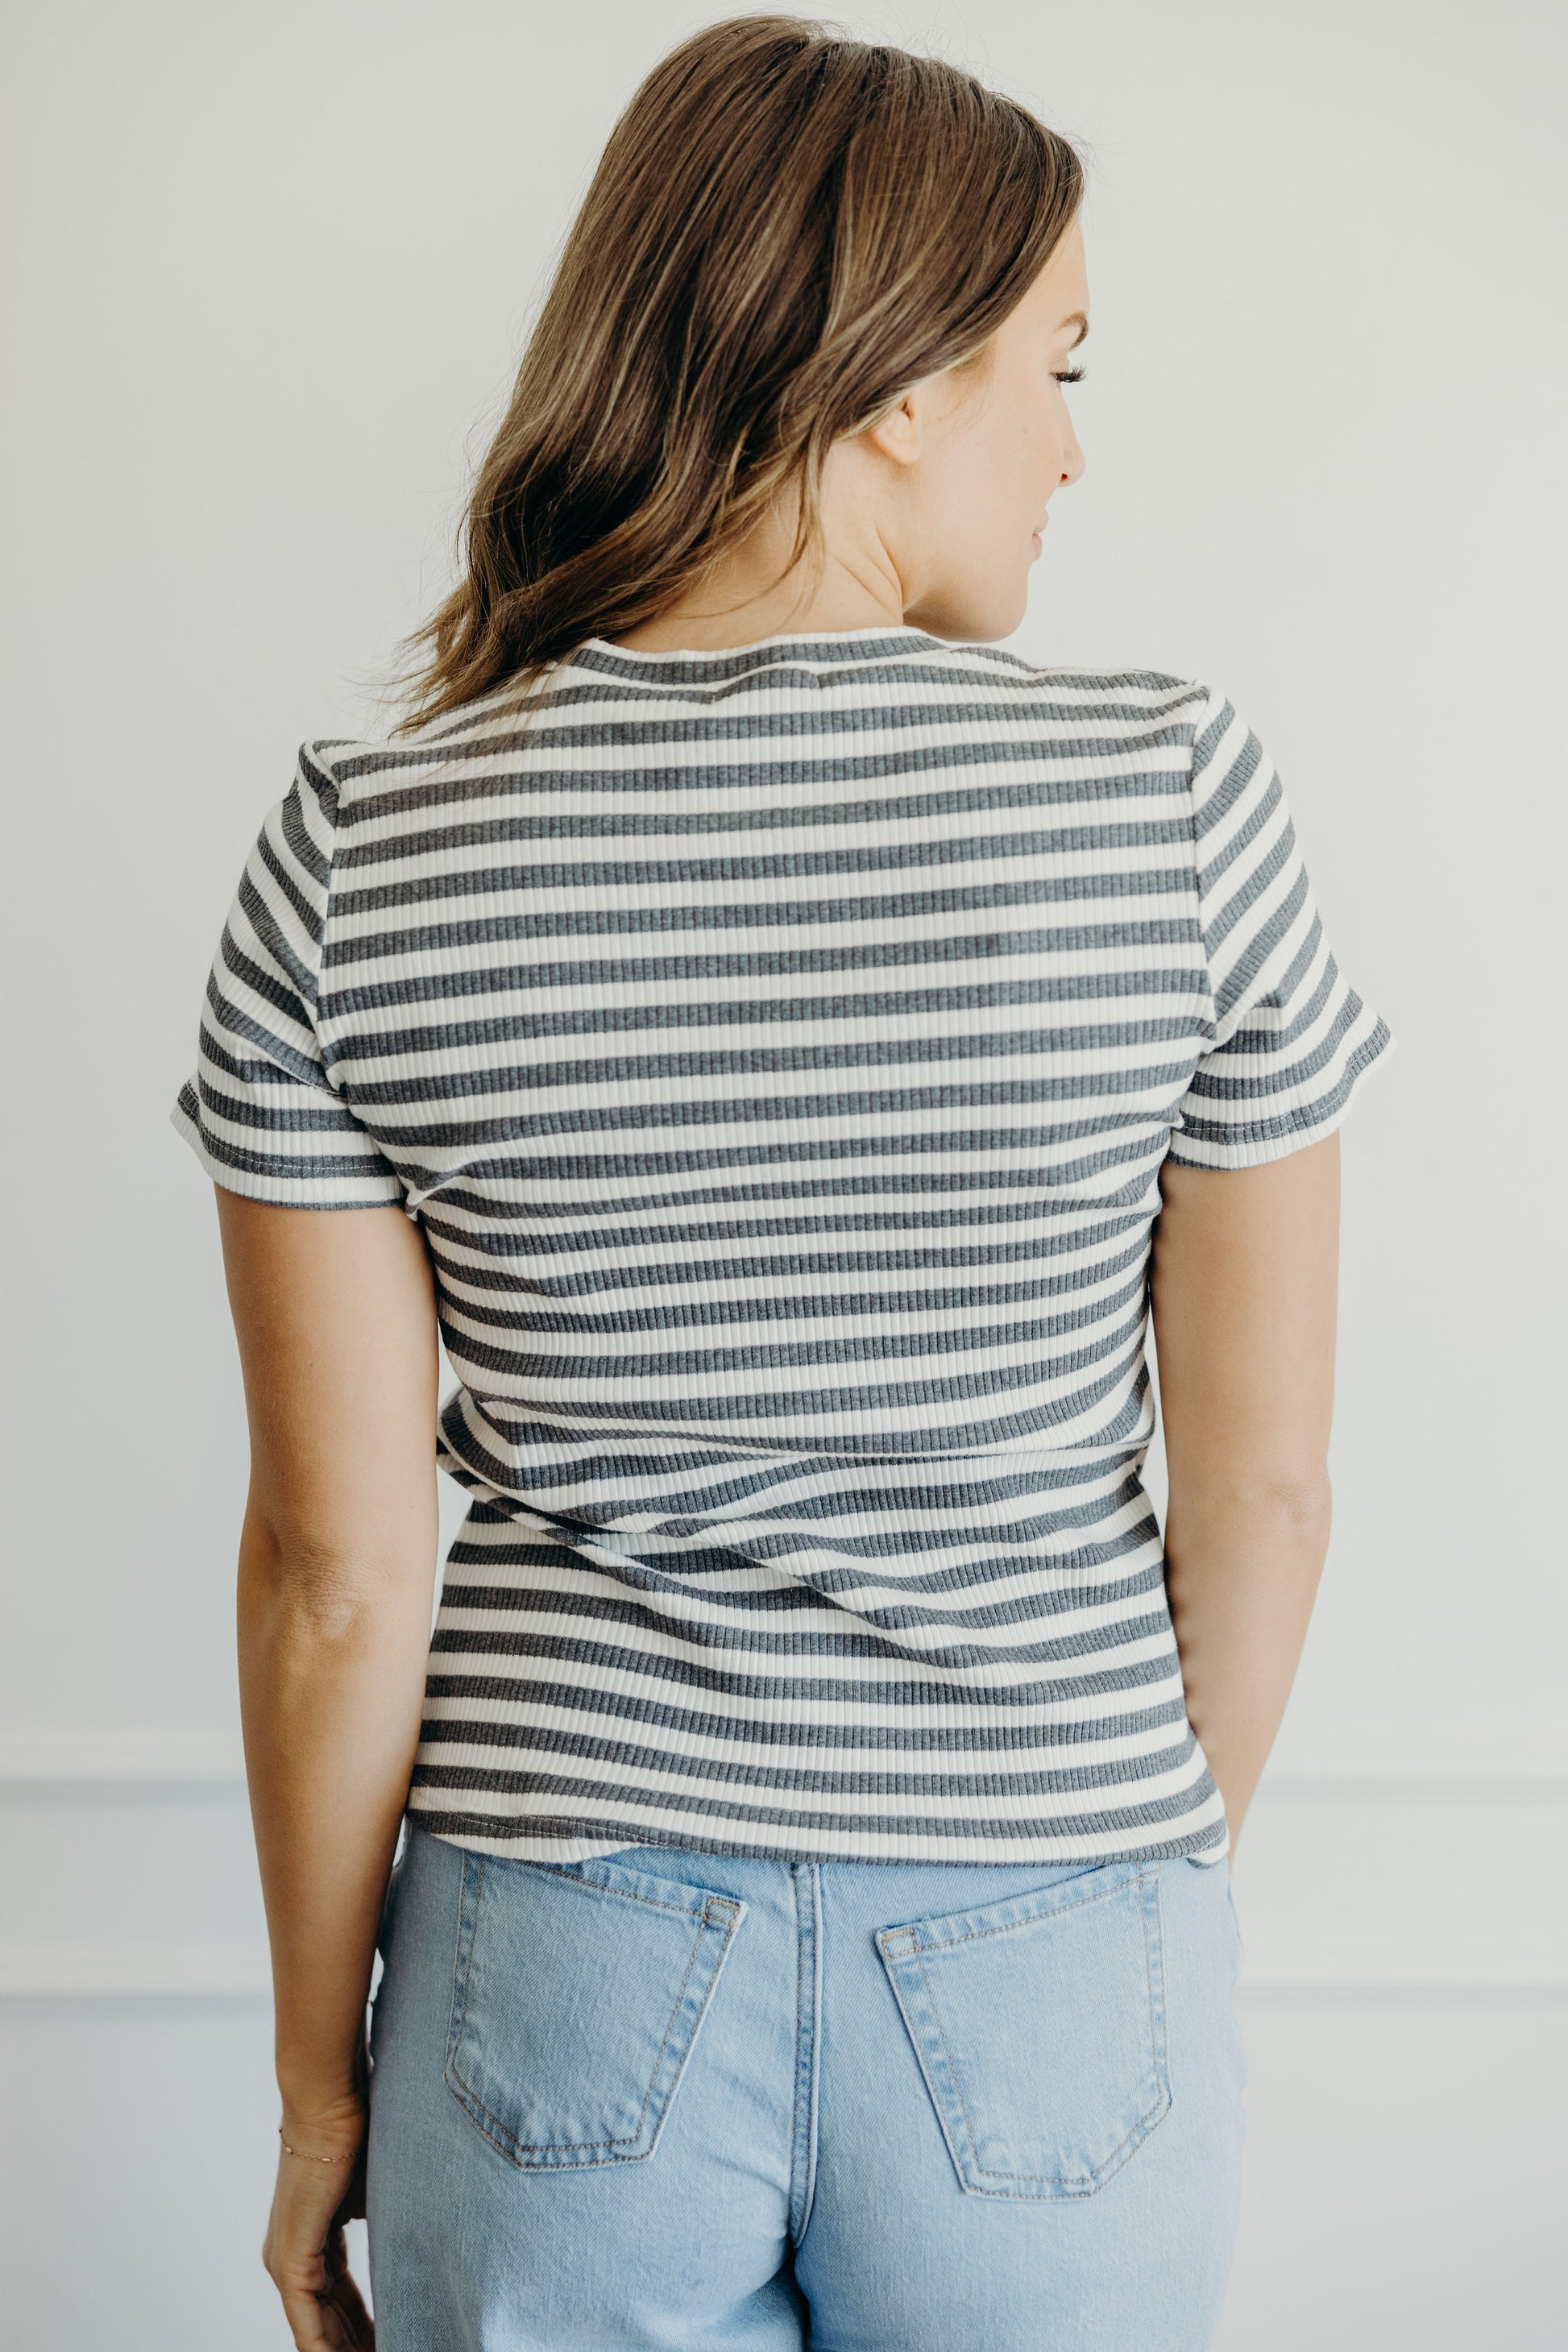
786, 230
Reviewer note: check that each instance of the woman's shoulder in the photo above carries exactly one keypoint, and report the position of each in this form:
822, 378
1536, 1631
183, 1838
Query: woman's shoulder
1084, 716
360, 778
1132, 687
1090, 715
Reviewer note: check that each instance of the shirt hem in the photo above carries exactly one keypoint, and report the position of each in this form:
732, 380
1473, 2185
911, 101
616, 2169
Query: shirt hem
563, 1839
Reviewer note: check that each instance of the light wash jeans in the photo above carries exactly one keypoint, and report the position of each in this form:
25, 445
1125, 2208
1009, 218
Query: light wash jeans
678, 2099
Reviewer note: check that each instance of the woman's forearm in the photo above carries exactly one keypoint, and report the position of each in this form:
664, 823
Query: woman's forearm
331, 1668
1243, 1290
1242, 1567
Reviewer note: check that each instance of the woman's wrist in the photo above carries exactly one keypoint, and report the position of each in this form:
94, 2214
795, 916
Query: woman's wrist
325, 2122
329, 2158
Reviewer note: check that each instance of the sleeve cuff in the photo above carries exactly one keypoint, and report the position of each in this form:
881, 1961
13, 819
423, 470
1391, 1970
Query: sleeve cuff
1209, 1143
325, 1180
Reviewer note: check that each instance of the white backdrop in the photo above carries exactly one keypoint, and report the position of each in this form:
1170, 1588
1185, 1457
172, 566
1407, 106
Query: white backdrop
275, 269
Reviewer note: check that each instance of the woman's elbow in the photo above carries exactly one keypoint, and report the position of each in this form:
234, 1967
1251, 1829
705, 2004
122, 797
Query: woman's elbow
1304, 1503
305, 1588
1286, 1499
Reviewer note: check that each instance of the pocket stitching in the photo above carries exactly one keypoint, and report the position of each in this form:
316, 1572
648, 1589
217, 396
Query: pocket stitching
515, 2148
626, 1894
951, 1943
1145, 2122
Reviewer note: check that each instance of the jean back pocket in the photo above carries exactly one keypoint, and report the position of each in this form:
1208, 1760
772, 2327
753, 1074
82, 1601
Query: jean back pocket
1039, 2026
577, 1996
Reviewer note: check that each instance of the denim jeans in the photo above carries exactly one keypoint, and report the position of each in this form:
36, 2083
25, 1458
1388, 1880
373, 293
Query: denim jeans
679, 2099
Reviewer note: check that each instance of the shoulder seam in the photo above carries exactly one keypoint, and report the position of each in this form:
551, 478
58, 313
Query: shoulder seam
1205, 694
312, 755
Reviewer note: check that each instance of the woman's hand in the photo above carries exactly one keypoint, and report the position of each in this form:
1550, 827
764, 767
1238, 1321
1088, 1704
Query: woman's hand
304, 2252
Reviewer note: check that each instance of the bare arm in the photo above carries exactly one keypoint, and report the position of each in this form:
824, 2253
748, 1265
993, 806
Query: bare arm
1244, 1276
334, 1312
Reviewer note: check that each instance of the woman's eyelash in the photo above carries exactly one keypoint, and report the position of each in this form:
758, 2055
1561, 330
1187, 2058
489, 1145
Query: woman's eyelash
1070, 375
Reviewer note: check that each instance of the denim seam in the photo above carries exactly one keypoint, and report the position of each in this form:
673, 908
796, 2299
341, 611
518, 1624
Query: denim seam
1053, 2180
815, 2092
513, 2146
1156, 2022
803, 2145
951, 1943
568, 1871
462, 1954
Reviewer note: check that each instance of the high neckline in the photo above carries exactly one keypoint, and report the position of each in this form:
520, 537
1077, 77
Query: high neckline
813, 644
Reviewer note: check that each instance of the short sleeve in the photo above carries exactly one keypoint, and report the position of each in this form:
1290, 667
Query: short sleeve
1292, 1039
259, 1110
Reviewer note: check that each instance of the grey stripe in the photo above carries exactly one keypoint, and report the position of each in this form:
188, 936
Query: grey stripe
611, 824
484, 879
779, 1779
963, 1731
1084, 941
771, 1012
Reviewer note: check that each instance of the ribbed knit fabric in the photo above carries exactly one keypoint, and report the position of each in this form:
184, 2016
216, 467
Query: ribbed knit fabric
778, 1049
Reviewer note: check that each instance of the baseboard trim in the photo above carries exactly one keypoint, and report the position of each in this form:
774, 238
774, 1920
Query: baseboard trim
76, 1759
117, 1973
1474, 1993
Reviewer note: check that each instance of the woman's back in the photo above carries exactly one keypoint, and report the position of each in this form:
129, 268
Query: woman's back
779, 1048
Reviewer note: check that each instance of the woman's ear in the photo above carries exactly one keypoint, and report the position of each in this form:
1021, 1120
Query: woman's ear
900, 432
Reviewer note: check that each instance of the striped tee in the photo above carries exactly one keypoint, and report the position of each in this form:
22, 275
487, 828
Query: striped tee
778, 1049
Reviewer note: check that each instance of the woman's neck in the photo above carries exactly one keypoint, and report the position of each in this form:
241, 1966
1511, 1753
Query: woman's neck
745, 598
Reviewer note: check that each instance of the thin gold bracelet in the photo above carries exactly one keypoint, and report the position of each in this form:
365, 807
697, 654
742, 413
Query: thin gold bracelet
308, 2159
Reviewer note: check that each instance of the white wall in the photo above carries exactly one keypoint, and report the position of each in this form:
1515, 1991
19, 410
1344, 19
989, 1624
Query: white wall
277, 265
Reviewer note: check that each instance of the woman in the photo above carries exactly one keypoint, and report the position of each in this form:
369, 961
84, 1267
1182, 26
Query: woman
783, 1042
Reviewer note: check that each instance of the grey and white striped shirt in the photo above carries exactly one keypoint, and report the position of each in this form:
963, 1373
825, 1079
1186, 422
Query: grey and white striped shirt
778, 1049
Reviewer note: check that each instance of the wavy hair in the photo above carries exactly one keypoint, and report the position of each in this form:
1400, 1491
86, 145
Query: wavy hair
786, 230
